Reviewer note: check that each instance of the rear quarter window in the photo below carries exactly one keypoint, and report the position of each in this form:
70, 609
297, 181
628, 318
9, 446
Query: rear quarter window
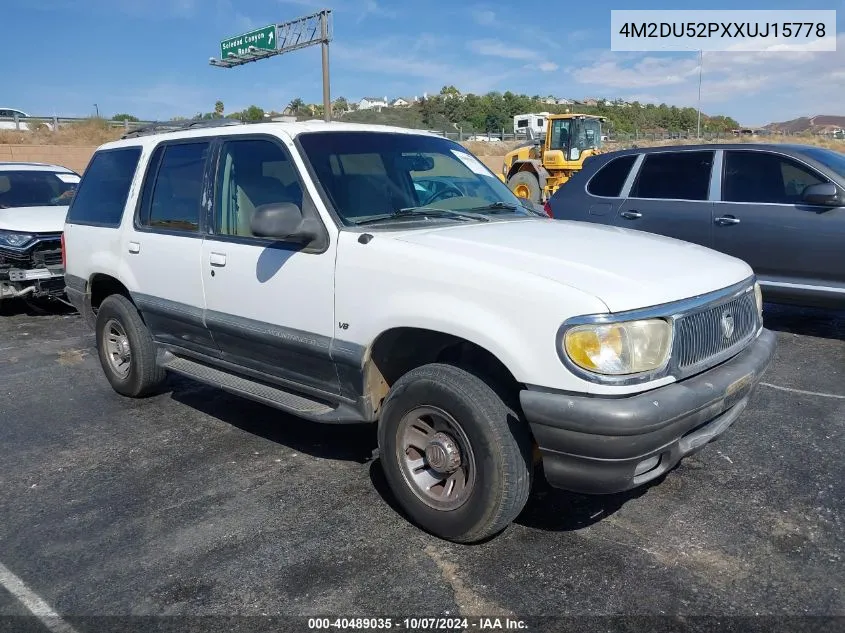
610, 179
101, 196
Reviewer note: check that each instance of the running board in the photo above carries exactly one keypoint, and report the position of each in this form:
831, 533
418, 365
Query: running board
273, 396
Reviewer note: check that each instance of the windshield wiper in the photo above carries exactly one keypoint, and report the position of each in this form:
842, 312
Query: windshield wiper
496, 206
506, 206
410, 212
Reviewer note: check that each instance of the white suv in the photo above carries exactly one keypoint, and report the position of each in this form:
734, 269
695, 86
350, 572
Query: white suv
354, 273
34, 199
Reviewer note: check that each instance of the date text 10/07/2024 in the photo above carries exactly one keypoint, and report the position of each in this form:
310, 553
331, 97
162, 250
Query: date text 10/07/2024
418, 624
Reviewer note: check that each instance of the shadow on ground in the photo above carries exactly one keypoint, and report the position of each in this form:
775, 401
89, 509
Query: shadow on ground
349, 442
819, 322
33, 307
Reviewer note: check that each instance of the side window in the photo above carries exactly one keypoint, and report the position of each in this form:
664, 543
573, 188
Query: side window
674, 175
765, 178
609, 180
173, 188
252, 173
102, 194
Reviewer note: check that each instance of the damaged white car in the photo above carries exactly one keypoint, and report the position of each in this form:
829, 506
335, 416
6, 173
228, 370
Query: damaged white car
34, 199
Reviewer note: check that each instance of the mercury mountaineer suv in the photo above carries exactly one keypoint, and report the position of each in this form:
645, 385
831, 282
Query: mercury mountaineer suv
355, 273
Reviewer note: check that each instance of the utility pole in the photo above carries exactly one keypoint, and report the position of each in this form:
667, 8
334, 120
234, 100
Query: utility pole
700, 68
324, 33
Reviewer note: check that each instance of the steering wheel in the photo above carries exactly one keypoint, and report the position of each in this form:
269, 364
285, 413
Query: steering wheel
450, 189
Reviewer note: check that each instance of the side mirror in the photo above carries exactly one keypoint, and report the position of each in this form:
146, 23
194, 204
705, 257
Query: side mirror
824, 194
282, 221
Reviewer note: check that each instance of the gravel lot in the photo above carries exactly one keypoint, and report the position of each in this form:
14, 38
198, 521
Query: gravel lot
195, 502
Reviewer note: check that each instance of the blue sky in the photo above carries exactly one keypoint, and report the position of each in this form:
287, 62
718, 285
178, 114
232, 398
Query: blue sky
150, 57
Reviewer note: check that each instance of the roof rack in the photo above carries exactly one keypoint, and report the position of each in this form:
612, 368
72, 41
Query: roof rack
177, 126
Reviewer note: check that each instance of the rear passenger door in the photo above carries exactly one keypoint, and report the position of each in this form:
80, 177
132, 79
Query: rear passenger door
163, 247
670, 196
762, 220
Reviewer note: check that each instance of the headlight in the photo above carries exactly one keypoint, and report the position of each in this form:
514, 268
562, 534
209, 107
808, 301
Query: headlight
16, 240
758, 296
616, 349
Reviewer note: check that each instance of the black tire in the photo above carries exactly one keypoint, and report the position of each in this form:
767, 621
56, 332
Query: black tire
143, 376
529, 180
499, 442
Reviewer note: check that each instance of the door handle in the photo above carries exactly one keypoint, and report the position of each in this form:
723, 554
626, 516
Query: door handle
631, 215
134, 247
726, 220
217, 259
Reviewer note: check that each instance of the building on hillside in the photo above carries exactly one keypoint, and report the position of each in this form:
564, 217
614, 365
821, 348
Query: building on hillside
403, 102
373, 103
550, 100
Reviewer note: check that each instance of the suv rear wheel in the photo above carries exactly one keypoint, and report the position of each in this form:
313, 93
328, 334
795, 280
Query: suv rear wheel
456, 457
126, 348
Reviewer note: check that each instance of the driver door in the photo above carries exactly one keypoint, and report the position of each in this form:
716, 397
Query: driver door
762, 220
268, 304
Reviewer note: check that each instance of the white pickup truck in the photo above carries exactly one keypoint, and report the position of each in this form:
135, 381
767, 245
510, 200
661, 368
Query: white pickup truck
352, 273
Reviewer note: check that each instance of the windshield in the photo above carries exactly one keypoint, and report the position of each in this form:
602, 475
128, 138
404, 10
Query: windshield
368, 175
587, 134
834, 160
36, 188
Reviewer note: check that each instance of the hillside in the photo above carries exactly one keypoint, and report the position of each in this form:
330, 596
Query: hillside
494, 112
820, 124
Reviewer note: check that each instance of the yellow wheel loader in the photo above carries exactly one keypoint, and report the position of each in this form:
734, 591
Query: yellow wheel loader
536, 170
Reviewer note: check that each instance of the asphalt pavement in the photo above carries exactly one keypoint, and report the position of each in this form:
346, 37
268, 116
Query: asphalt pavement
197, 503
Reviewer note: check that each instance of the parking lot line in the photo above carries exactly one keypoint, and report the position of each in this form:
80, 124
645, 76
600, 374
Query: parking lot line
33, 602
803, 392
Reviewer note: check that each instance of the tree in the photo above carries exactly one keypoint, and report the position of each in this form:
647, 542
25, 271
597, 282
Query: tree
125, 117
428, 109
253, 113
218, 109
450, 90
340, 105
296, 105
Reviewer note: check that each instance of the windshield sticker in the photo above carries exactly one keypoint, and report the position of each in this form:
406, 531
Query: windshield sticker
473, 163
68, 178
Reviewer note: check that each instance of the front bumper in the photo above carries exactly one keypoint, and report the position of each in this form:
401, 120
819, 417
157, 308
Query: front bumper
603, 445
33, 282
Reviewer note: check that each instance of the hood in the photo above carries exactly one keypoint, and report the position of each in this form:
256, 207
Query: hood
625, 269
33, 219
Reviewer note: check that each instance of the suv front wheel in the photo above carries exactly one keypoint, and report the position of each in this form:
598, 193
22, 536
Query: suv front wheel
126, 349
456, 457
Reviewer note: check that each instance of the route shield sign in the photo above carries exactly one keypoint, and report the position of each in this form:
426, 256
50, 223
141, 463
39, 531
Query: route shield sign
262, 39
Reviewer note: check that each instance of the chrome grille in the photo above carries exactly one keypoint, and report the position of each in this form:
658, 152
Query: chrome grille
700, 336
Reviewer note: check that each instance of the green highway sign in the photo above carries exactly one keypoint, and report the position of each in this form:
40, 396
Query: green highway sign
264, 39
